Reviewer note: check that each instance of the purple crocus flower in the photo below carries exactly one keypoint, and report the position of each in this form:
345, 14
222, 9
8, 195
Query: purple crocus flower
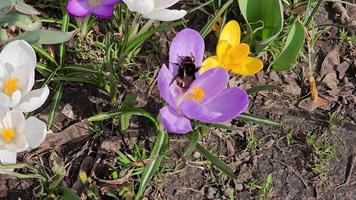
207, 99
100, 8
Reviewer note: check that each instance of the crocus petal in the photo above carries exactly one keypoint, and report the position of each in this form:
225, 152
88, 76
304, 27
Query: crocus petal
197, 111
210, 63
15, 98
212, 82
231, 33
110, 2
221, 50
164, 81
248, 66
26, 77
237, 53
104, 11
161, 4
188, 42
33, 100
140, 6
7, 157
14, 120
5, 101
165, 15
230, 103
174, 123
78, 8
18, 54
35, 131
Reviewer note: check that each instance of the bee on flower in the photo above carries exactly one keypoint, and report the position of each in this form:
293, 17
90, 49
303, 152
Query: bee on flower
191, 95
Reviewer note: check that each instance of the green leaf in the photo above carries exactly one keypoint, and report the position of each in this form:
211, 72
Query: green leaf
129, 102
256, 119
120, 111
215, 161
67, 194
3, 36
295, 41
55, 105
25, 8
21, 21
193, 141
5, 6
144, 36
46, 36
157, 154
270, 13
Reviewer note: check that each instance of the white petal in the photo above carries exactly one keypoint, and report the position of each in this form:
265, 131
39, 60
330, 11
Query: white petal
15, 98
7, 157
161, 4
26, 77
33, 100
18, 143
166, 14
3, 111
4, 74
35, 131
140, 6
5, 101
14, 120
18, 53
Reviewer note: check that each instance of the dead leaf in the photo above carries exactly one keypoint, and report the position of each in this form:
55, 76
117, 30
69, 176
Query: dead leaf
331, 60
342, 69
111, 144
76, 132
309, 105
331, 80
292, 88
68, 111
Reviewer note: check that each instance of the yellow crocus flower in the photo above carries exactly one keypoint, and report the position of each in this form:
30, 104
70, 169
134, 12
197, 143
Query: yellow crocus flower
231, 54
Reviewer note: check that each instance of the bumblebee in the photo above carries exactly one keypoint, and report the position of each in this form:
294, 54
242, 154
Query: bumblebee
186, 72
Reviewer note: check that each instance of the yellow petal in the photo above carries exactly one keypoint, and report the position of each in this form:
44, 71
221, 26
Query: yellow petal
236, 54
248, 66
209, 63
231, 33
221, 49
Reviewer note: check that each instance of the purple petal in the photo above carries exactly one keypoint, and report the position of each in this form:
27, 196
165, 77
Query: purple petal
187, 42
212, 82
174, 123
230, 103
78, 8
223, 107
104, 11
197, 111
164, 80
110, 2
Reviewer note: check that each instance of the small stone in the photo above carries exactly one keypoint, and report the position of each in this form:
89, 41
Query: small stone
196, 155
211, 193
239, 187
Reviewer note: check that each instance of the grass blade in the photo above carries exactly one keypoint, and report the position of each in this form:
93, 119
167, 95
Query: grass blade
215, 161
156, 157
55, 105
193, 141
256, 119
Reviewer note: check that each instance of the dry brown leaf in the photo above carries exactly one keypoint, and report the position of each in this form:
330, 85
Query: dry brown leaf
76, 132
309, 105
331, 60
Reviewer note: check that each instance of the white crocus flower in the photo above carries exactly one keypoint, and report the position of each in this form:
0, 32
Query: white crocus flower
18, 134
17, 77
156, 9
